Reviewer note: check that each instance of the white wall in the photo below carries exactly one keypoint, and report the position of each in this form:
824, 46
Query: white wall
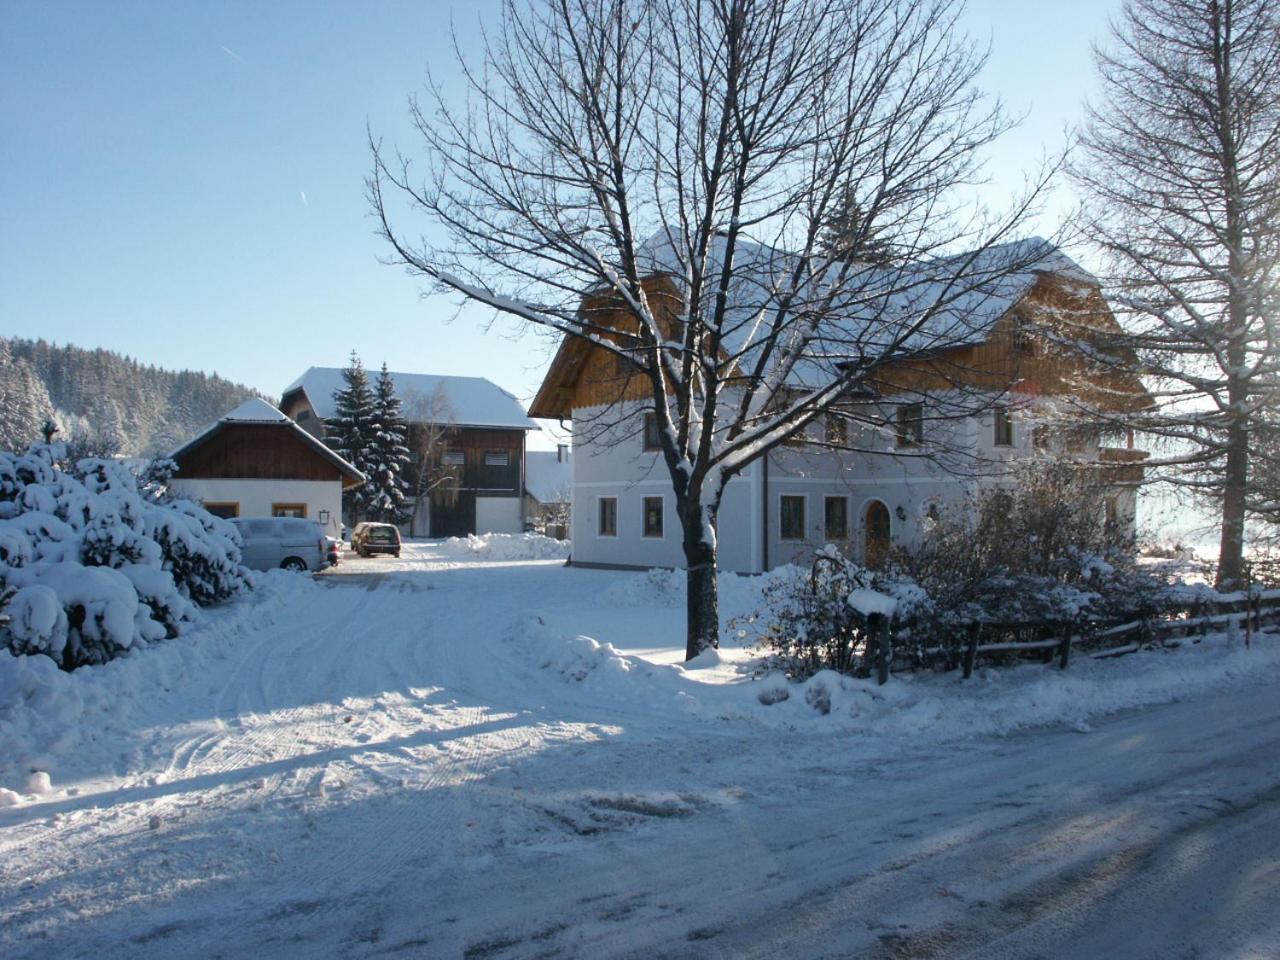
498, 515
906, 482
255, 497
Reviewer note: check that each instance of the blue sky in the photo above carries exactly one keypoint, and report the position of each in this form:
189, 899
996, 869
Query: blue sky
183, 182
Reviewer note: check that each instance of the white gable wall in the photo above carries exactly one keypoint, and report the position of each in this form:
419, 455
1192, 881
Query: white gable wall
255, 497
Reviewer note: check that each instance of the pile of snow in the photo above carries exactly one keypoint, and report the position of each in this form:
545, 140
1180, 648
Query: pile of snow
92, 567
664, 587
657, 587
507, 546
925, 705
51, 718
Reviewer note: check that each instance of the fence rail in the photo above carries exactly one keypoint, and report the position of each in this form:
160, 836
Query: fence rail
1096, 639
1248, 612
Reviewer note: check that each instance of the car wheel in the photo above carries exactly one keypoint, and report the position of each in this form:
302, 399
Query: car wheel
294, 564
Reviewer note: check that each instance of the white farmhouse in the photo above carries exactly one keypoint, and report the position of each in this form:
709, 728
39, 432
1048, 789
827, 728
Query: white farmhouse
256, 462
878, 469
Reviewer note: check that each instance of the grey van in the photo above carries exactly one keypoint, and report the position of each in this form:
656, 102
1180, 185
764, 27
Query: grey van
289, 542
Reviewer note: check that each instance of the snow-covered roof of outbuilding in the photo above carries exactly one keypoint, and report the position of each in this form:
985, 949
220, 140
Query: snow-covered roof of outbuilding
473, 401
548, 475
255, 410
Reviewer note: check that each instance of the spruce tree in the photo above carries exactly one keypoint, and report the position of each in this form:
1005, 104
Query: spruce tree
848, 234
389, 454
351, 433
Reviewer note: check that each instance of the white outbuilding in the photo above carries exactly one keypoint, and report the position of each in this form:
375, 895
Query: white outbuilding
256, 462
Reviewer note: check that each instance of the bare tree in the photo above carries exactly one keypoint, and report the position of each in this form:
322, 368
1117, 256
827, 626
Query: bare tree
676, 163
1181, 167
431, 423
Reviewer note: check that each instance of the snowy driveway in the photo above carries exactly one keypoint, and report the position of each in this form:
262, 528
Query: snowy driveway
415, 762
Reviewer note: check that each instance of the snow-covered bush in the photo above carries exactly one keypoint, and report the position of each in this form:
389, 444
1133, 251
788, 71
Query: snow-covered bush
1024, 564
93, 568
813, 619
1025, 560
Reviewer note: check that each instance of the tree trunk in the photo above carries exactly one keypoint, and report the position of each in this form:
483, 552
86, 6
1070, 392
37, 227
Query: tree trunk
701, 593
1234, 489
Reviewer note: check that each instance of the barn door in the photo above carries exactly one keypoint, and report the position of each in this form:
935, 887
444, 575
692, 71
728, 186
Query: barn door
456, 518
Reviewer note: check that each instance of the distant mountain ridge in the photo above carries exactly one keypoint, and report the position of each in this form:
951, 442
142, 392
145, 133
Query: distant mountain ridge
145, 409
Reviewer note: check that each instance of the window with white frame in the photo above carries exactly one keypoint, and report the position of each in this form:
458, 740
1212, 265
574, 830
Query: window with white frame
911, 425
497, 458
836, 518
653, 517
837, 434
1003, 426
791, 517
608, 521
652, 439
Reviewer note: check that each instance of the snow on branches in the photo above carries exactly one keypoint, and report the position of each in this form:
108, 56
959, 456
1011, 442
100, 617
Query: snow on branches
91, 567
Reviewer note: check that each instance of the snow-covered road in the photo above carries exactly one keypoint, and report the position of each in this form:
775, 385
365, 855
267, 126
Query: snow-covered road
402, 762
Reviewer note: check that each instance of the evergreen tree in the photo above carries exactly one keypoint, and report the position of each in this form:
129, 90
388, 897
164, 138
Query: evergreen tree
390, 455
24, 402
849, 235
352, 433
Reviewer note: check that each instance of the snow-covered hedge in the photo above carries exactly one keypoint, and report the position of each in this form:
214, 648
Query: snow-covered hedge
91, 567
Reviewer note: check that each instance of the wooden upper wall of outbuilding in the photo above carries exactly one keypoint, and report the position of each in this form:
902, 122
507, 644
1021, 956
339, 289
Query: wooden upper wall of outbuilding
258, 451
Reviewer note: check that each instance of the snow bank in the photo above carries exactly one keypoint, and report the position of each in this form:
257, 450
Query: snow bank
507, 546
51, 719
928, 706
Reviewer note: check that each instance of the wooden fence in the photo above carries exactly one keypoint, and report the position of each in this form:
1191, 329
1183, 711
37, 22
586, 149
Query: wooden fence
1249, 612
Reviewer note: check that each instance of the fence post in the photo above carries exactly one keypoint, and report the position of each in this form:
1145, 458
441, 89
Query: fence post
971, 649
1064, 651
1248, 603
884, 650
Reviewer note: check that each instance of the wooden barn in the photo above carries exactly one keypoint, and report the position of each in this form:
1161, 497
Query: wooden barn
256, 462
469, 426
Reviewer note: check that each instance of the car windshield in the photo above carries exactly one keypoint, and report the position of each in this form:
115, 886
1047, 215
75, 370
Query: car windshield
384, 534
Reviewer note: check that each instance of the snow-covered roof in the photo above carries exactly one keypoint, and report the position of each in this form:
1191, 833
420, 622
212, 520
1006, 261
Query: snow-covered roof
473, 401
932, 304
257, 411
548, 477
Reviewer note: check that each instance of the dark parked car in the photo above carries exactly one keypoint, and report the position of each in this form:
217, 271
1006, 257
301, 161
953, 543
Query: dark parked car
369, 538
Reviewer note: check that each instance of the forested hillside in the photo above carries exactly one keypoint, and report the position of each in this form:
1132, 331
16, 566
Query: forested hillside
105, 396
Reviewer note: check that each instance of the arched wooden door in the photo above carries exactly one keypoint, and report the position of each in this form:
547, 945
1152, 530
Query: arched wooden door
876, 530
